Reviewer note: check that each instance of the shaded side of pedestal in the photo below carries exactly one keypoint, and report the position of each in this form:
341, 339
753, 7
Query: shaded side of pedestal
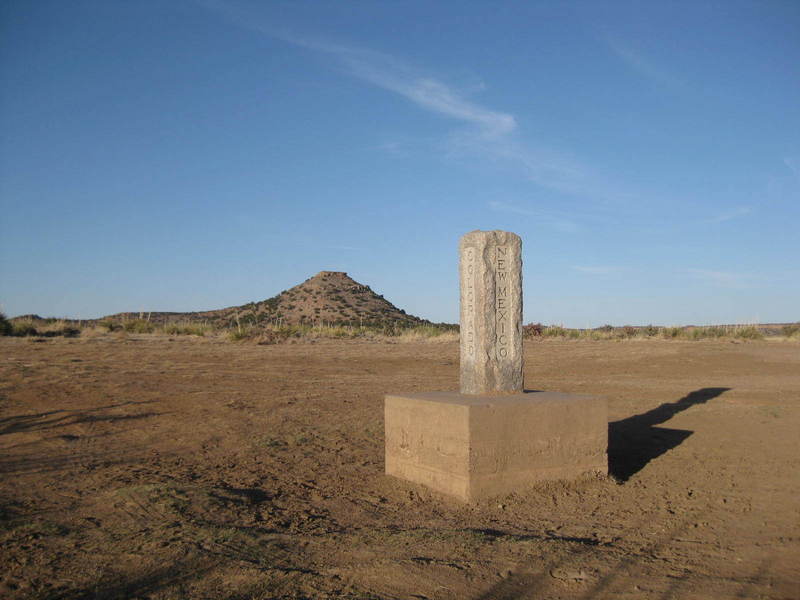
474, 447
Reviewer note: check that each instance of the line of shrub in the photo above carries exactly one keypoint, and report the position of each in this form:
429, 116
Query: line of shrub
41, 327
273, 334
608, 332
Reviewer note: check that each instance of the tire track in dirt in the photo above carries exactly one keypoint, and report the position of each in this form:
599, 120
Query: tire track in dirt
197, 517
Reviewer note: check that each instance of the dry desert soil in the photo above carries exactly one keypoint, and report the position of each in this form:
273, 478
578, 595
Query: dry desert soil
149, 467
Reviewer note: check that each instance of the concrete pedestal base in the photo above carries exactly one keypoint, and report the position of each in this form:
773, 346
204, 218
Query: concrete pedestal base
474, 447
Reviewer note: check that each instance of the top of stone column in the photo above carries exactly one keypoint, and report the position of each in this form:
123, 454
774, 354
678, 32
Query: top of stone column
495, 235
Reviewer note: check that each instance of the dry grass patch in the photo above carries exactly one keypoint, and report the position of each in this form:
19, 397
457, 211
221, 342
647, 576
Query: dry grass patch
629, 332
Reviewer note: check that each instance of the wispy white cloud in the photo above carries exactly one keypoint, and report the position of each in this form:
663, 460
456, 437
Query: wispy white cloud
740, 211
784, 186
793, 162
490, 135
396, 76
643, 65
547, 218
724, 278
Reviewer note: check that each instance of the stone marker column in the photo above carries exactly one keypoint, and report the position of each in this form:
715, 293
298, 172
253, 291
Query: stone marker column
491, 312
492, 437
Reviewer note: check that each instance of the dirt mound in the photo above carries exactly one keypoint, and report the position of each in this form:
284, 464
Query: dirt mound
329, 297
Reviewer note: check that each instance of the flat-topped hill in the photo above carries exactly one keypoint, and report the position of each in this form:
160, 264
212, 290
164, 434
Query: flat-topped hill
329, 297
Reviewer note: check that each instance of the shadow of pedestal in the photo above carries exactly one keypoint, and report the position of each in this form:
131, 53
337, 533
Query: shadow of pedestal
635, 441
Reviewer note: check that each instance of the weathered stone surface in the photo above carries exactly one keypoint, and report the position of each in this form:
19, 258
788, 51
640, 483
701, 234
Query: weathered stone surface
474, 447
491, 312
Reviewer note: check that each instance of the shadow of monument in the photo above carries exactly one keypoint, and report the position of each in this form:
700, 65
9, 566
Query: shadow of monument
635, 441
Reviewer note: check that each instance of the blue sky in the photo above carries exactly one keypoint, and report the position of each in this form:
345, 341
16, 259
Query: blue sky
191, 155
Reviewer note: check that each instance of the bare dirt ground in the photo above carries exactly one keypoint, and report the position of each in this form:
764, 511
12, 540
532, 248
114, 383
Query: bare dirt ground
197, 468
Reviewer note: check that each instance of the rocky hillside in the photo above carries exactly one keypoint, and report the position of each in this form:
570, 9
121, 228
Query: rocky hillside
329, 297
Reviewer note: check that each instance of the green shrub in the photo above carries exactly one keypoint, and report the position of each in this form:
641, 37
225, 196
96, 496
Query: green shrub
701, 333
339, 332
199, 329
271, 336
427, 331
791, 330
555, 331
59, 328
138, 326
240, 333
5, 326
23, 328
532, 330
272, 302
109, 325
749, 333
650, 330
